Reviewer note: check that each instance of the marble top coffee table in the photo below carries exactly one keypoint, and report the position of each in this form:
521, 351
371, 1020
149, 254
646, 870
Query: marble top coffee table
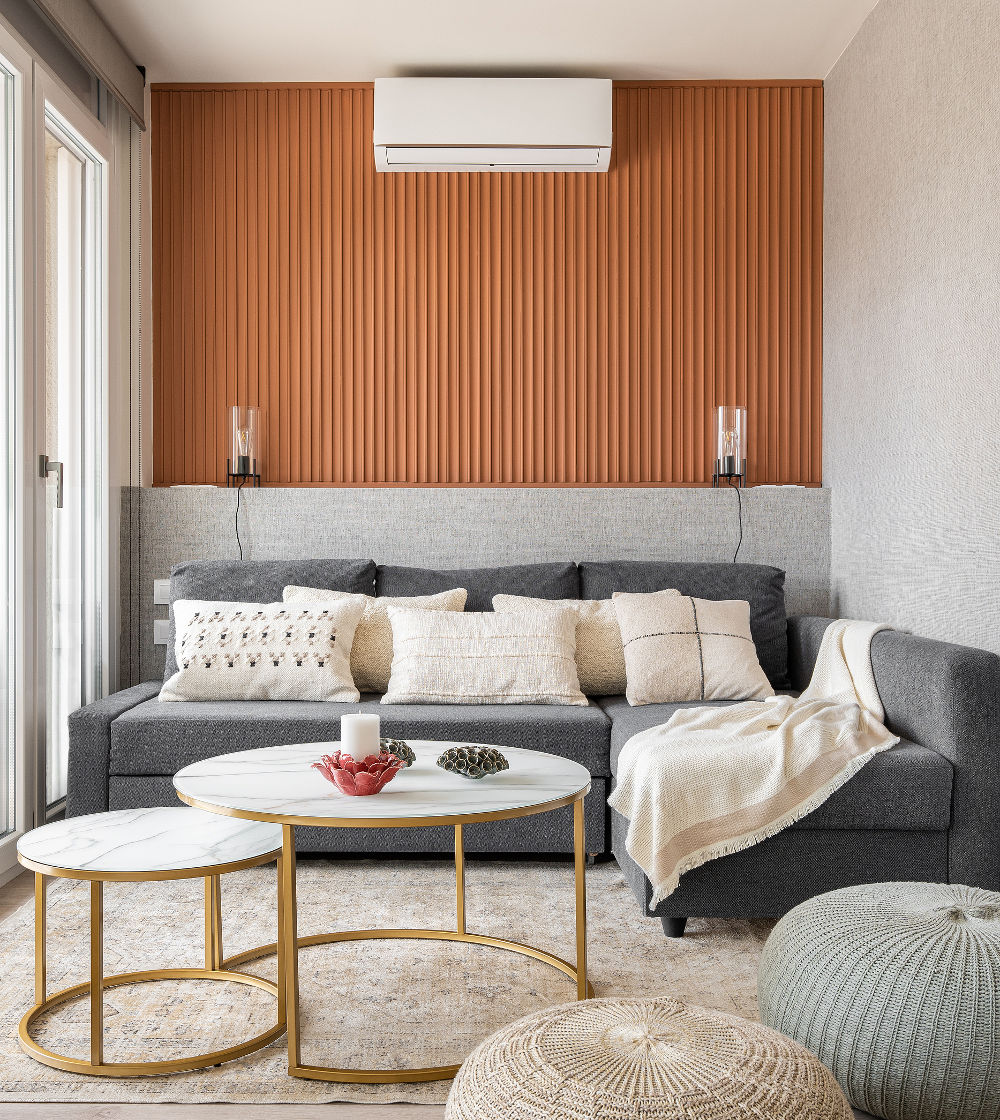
142, 846
278, 784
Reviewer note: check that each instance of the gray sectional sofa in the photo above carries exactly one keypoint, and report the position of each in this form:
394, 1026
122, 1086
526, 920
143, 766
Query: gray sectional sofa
926, 810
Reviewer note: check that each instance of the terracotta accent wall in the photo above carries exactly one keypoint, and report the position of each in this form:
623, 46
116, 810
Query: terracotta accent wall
490, 329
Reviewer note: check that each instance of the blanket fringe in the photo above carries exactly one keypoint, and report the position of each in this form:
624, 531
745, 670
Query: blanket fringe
666, 887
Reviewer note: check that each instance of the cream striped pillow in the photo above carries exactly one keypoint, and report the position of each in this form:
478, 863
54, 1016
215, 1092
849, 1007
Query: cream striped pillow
483, 658
371, 655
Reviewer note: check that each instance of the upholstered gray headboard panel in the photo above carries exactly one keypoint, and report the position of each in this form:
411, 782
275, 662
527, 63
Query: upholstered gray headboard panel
456, 527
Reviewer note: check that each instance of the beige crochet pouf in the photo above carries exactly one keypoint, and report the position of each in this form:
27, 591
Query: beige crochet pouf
642, 1059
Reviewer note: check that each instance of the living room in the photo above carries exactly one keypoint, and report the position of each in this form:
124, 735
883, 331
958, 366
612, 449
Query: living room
500, 560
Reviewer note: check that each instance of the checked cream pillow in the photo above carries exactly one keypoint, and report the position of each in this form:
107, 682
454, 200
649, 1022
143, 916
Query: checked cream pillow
263, 651
441, 657
678, 648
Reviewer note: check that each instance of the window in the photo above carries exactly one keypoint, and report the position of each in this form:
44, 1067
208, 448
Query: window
11, 92
75, 376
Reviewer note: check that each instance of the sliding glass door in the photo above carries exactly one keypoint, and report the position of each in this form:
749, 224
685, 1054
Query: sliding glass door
11, 117
73, 453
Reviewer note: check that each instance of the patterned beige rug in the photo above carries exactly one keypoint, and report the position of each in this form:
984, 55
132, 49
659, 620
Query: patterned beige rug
403, 1003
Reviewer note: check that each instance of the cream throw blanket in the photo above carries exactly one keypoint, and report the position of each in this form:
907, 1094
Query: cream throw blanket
712, 781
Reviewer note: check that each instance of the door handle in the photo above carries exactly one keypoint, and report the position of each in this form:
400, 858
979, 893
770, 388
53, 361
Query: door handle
47, 466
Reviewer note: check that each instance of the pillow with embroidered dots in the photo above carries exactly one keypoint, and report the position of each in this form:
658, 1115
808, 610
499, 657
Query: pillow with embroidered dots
263, 651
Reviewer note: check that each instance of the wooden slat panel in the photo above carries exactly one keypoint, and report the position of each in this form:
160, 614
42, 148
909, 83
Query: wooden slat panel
487, 329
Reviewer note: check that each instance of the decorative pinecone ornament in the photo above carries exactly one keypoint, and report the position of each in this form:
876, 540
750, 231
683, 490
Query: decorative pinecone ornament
473, 761
400, 748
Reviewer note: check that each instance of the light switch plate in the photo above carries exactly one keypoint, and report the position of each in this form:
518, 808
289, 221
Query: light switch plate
161, 592
161, 631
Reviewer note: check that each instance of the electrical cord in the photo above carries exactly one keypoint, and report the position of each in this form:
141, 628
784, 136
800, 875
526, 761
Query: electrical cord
239, 543
739, 503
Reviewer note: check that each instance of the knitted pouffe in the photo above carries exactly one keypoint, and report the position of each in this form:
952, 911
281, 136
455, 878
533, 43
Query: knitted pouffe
641, 1059
896, 988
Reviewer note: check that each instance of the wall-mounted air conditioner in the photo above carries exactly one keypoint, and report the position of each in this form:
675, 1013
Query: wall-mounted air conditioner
492, 124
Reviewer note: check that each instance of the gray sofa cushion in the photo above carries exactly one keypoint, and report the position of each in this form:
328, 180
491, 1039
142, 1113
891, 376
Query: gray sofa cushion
908, 787
160, 738
541, 581
762, 586
260, 581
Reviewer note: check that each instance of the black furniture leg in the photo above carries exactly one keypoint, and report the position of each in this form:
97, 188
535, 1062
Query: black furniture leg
673, 927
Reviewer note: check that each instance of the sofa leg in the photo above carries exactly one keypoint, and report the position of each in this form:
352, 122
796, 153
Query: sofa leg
673, 927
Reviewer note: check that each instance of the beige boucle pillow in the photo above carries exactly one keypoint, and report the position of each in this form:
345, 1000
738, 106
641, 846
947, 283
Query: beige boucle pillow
263, 651
600, 661
678, 648
371, 657
483, 658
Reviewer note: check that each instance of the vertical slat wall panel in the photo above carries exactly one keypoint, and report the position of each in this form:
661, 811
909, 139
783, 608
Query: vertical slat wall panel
487, 329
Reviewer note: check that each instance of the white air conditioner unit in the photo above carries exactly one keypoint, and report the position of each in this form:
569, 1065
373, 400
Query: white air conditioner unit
492, 124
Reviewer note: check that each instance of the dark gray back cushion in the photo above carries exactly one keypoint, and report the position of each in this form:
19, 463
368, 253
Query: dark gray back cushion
762, 586
260, 581
541, 581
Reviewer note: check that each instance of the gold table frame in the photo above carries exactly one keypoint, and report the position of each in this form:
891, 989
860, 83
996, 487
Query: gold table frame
288, 938
216, 968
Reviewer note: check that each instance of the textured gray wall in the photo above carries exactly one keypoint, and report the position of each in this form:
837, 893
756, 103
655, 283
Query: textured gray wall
912, 307
785, 526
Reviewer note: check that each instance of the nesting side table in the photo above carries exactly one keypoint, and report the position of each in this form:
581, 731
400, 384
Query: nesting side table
139, 846
278, 784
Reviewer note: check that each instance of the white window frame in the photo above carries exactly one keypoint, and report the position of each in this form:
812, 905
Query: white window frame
53, 101
20, 730
36, 87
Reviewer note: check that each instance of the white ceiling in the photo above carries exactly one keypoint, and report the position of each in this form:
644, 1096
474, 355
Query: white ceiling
359, 40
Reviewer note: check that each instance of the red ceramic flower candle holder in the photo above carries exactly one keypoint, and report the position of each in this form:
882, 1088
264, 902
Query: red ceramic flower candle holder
359, 779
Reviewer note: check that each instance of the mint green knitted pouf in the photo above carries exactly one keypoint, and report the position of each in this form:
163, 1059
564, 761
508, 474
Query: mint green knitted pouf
895, 987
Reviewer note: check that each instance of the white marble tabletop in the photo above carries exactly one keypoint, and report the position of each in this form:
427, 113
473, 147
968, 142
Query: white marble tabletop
174, 838
278, 783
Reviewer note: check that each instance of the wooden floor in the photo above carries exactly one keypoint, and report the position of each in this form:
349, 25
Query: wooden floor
19, 890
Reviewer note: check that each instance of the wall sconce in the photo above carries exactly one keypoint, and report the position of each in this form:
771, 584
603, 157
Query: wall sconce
243, 464
731, 449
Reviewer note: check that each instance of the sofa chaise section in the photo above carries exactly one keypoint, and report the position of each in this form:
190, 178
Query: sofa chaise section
924, 811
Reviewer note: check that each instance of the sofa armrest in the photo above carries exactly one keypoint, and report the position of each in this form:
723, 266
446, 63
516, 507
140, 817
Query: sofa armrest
90, 747
947, 697
805, 633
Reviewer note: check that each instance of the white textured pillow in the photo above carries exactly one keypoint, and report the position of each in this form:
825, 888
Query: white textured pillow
371, 656
263, 651
600, 661
483, 658
678, 648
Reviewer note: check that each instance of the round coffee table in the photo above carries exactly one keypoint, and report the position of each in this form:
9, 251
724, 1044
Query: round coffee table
278, 784
142, 846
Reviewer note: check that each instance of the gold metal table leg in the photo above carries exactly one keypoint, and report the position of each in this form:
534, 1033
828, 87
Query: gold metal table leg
280, 943
459, 880
96, 972
40, 932
289, 951
580, 859
213, 922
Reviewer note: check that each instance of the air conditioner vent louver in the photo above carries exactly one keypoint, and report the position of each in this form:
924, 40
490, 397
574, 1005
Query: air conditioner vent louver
492, 124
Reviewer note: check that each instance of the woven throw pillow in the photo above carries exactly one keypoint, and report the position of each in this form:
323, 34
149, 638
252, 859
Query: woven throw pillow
600, 661
440, 657
371, 656
679, 648
263, 651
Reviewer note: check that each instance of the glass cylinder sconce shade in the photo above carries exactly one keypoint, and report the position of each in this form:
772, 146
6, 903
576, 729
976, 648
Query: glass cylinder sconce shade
244, 444
731, 447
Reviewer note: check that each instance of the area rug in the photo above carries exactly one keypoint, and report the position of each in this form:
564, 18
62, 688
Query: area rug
405, 1003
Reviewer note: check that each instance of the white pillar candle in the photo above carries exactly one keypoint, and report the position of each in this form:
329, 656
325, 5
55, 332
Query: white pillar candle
359, 735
